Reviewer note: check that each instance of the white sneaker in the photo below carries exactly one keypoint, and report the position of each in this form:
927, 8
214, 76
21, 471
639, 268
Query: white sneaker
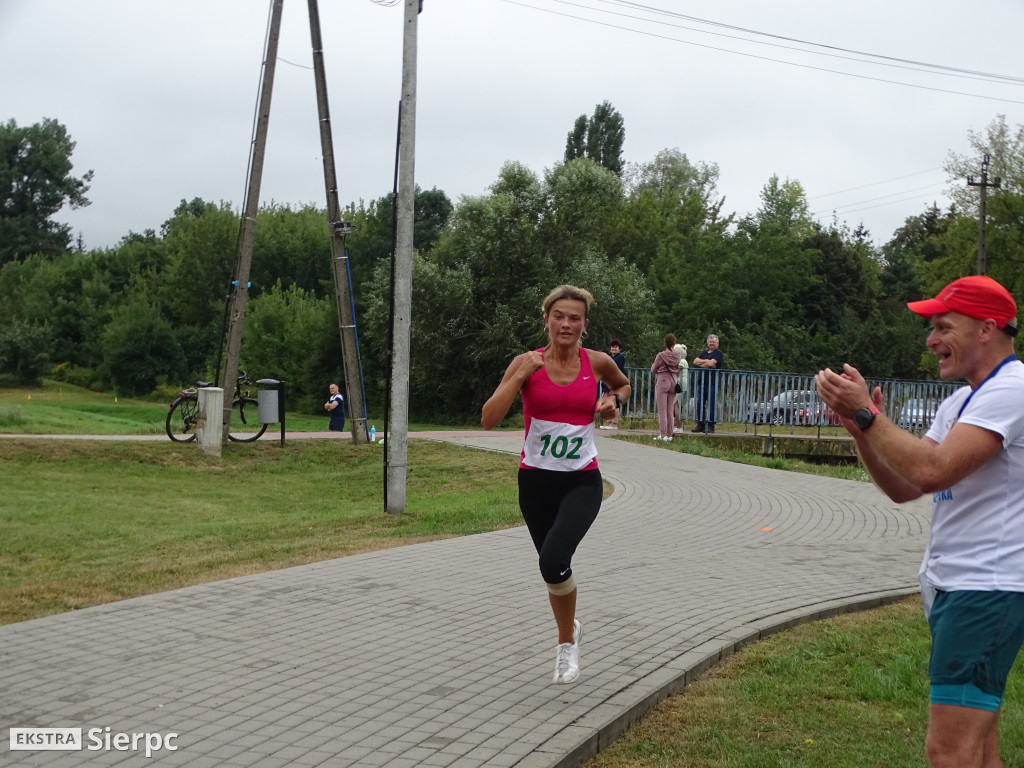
604, 426
567, 663
678, 431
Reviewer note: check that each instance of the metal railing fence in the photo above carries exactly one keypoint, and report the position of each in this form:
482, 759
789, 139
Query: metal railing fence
779, 400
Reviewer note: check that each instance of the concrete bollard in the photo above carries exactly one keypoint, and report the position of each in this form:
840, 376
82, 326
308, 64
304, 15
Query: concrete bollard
210, 430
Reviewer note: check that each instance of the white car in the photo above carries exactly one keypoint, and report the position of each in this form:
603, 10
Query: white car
917, 413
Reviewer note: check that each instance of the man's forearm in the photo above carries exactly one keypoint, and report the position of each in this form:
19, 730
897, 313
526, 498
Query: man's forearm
892, 483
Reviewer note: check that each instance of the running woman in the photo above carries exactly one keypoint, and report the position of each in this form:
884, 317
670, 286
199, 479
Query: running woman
559, 483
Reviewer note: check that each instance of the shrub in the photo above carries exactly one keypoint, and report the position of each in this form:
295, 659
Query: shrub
24, 353
140, 350
69, 373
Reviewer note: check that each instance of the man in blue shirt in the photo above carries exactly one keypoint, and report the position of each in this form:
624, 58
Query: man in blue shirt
335, 406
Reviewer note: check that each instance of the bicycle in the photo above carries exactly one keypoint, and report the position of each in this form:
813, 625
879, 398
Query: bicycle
183, 416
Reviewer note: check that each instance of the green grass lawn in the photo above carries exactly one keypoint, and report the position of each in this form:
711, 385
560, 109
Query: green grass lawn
87, 522
63, 409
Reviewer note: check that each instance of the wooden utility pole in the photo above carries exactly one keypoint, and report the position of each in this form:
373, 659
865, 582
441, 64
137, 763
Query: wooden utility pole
243, 261
397, 444
984, 184
339, 229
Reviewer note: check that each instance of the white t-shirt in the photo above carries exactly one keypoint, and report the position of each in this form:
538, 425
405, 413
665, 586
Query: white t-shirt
683, 369
977, 533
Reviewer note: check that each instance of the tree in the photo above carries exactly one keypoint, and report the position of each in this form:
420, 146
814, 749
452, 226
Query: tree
576, 143
582, 203
671, 228
756, 283
671, 176
1005, 147
293, 247
199, 243
35, 183
599, 138
373, 232
917, 243
24, 355
291, 335
140, 349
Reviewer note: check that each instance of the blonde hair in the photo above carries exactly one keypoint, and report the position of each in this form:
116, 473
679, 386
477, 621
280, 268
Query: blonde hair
568, 292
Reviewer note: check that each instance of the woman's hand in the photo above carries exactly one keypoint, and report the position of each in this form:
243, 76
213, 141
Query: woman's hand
516, 375
532, 362
606, 406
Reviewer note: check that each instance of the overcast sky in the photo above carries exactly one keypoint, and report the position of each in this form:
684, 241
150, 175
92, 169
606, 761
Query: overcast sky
160, 96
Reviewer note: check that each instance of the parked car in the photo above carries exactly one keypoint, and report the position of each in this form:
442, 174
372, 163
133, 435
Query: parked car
917, 413
784, 408
817, 414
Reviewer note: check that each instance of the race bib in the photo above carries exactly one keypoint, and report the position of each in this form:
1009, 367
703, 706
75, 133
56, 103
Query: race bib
558, 446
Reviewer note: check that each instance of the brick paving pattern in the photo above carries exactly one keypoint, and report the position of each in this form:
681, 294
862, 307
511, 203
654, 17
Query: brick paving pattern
441, 654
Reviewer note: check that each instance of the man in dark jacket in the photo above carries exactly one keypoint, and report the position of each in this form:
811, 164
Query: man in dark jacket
708, 363
615, 350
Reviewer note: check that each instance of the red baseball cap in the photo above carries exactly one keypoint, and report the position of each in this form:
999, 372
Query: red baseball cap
975, 296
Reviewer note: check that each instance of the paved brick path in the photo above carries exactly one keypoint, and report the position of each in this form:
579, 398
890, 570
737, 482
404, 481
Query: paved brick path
441, 654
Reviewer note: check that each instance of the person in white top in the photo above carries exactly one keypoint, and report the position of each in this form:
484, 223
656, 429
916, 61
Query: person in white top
971, 461
679, 409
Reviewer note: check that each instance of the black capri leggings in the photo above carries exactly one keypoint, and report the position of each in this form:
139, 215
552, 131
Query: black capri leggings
559, 508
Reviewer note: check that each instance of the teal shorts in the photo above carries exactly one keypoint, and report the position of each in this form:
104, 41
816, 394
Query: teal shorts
975, 639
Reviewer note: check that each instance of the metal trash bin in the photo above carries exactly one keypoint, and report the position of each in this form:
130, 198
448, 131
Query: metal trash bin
269, 401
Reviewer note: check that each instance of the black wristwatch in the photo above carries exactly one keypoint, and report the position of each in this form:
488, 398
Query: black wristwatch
618, 400
865, 417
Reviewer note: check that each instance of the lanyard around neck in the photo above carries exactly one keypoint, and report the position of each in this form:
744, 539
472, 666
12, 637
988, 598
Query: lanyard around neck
973, 391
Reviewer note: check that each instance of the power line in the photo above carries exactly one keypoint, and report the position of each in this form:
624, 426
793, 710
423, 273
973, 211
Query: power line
876, 183
881, 61
957, 70
761, 58
300, 66
865, 205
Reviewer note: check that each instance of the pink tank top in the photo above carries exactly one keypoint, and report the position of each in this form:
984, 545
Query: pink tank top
559, 420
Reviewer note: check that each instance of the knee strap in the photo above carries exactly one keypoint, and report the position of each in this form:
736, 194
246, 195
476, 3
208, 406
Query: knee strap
564, 588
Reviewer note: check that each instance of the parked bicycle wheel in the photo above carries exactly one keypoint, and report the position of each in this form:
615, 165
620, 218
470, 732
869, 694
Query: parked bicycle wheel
182, 419
245, 425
